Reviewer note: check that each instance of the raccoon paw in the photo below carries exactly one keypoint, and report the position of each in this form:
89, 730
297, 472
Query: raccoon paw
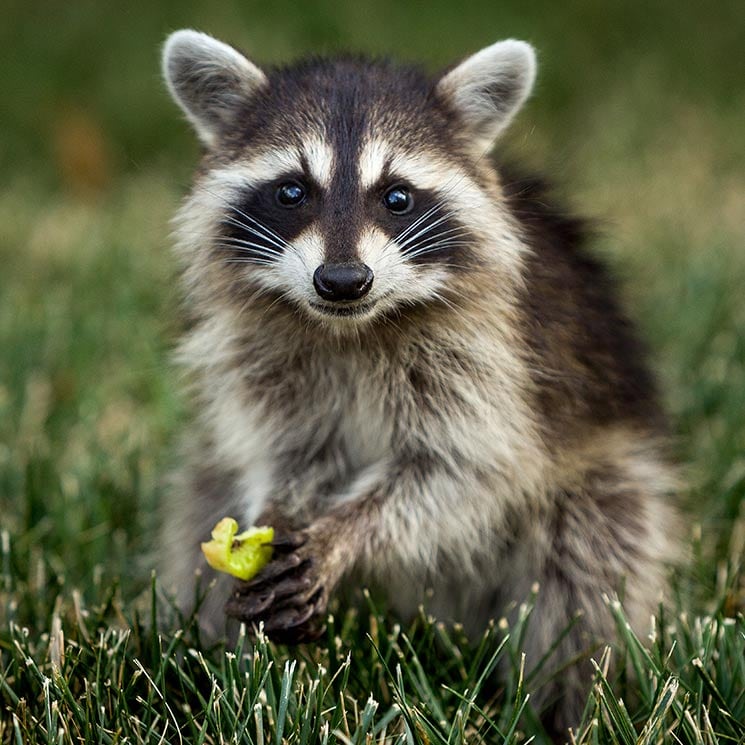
287, 595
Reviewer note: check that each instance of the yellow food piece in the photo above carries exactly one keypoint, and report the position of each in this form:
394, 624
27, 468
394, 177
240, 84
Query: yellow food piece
240, 555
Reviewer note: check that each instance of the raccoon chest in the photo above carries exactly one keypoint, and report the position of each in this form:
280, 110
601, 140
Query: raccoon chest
358, 431
341, 430
363, 430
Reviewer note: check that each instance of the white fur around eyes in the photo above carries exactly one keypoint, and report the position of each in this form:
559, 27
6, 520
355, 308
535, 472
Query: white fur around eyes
320, 158
262, 168
372, 161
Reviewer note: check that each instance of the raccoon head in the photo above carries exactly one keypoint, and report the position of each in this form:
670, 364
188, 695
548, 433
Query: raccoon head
347, 190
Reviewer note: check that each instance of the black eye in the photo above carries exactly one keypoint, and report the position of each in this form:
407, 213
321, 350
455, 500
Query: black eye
398, 200
290, 194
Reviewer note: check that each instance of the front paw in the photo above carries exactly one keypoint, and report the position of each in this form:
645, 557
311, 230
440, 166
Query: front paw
288, 595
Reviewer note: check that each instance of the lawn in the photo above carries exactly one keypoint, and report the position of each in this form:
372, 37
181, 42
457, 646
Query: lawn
637, 116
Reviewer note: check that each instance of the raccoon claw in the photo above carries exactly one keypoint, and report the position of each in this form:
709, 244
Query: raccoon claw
247, 605
248, 608
287, 542
272, 572
286, 595
296, 625
293, 621
288, 618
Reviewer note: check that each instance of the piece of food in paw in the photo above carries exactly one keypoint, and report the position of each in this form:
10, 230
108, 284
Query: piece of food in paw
242, 555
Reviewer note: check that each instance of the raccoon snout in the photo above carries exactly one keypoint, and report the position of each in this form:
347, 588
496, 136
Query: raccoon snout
343, 281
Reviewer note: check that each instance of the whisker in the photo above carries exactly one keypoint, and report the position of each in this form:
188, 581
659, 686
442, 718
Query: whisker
250, 253
240, 243
448, 190
248, 245
438, 205
231, 206
426, 229
458, 232
250, 229
258, 262
437, 247
421, 220
450, 232
451, 306
268, 230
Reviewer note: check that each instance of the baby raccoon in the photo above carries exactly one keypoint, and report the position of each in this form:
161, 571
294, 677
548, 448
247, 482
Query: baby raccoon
404, 358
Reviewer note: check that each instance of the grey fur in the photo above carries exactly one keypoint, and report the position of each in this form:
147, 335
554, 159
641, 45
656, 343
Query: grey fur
454, 443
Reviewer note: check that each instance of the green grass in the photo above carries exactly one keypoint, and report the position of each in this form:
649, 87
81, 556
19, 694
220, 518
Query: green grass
97, 673
637, 113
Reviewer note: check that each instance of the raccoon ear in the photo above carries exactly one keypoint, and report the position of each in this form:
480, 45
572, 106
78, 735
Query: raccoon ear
490, 87
209, 80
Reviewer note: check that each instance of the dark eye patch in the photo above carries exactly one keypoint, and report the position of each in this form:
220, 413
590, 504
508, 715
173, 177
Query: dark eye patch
258, 226
428, 232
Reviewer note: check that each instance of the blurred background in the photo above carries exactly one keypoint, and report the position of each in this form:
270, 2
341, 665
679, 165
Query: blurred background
637, 115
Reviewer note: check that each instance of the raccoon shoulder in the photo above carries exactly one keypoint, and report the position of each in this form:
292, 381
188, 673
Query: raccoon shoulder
592, 360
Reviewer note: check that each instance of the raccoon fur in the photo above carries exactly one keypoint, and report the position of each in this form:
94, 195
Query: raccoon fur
405, 360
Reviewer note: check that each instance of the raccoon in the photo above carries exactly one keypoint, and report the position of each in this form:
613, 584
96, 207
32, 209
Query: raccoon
405, 360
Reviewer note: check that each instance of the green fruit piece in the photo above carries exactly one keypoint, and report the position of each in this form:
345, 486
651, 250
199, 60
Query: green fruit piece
240, 555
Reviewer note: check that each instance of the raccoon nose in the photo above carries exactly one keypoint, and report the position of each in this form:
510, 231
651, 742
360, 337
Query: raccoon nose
343, 281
